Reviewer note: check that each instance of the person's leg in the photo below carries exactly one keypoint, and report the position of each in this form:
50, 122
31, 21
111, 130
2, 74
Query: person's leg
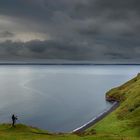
13, 123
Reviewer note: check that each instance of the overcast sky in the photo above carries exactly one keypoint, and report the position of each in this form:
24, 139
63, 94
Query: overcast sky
104, 31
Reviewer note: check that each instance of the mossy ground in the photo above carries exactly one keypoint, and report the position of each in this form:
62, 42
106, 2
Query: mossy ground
122, 124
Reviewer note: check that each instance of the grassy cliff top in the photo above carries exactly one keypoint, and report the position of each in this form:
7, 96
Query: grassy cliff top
122, 124
125, 121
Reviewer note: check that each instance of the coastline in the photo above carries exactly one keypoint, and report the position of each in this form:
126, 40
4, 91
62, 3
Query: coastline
97, 118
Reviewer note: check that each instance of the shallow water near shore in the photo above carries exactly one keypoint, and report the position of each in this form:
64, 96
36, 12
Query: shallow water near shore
58, 98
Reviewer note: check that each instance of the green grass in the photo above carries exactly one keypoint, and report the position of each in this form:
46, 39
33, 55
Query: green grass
22, 132
122, 124
125, 121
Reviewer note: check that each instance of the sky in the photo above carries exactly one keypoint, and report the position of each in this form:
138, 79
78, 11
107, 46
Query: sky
98, 31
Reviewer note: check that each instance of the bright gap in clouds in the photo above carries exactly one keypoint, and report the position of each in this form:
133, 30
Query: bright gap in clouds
12, 29
29, 36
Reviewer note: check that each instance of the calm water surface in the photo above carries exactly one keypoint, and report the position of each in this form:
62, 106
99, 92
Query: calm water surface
58, 98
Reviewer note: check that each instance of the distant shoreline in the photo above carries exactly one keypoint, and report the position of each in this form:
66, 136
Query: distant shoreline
97, 118
64, 64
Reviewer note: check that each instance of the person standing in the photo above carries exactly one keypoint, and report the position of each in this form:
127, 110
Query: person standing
14, 118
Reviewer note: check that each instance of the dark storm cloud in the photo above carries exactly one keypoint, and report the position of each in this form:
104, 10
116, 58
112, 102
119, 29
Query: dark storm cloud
57, 50
105, 30
42, 49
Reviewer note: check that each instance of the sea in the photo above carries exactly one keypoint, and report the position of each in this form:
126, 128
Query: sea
58, 98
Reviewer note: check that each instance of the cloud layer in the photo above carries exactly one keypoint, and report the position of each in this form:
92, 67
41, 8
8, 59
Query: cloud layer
92, 30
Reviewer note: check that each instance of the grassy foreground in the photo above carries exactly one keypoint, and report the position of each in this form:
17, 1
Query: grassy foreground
122, 124
22, 132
